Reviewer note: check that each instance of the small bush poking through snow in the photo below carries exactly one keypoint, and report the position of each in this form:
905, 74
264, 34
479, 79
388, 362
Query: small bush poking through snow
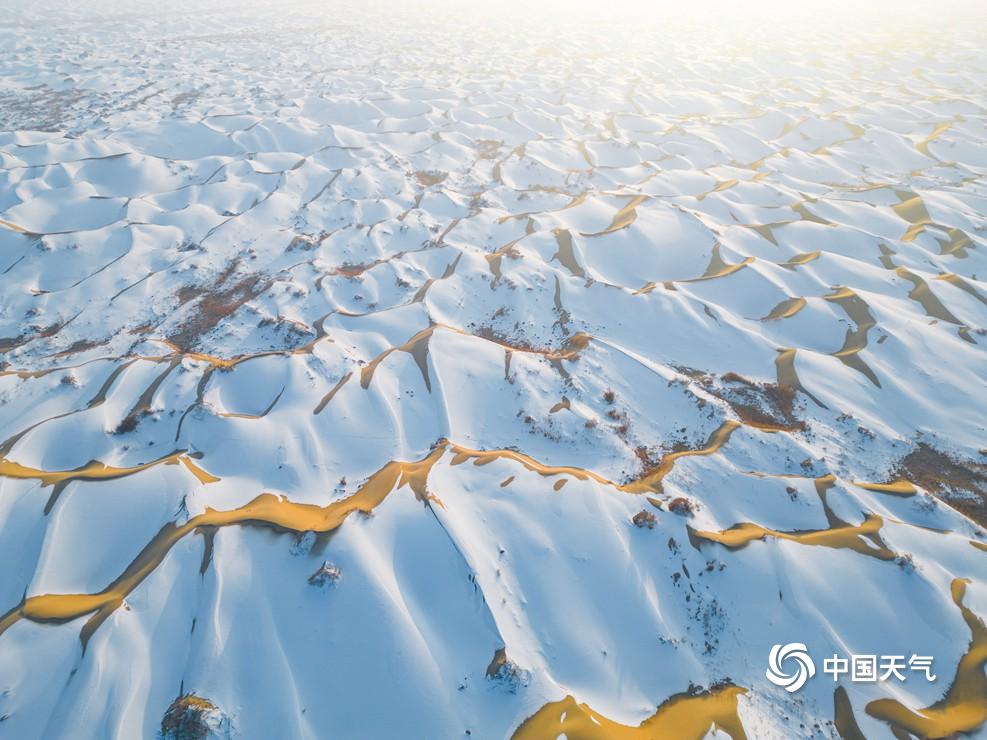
326, 576
303, 544
906, 562
506, 672
644, 519
191, 717
682, 506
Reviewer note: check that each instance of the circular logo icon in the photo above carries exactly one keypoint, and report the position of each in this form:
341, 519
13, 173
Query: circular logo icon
800, 667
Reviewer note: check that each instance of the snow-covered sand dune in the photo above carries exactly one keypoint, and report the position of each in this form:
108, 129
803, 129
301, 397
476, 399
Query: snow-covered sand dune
450, 370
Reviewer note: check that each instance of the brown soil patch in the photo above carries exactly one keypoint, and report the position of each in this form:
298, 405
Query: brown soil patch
762, 405
960, 483
82, 345
9, 343
351, 271
215, 303
427, 179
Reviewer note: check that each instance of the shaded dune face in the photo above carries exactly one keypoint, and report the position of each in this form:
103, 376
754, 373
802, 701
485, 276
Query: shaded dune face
343, 349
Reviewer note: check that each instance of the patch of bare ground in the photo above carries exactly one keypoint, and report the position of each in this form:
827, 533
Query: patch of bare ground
352, 270
492, 335
82, 345
960, 483
757, 404
36, 332
215, 302
427, 179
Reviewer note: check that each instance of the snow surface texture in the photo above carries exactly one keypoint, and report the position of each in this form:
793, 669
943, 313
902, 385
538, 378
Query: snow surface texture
343, 347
